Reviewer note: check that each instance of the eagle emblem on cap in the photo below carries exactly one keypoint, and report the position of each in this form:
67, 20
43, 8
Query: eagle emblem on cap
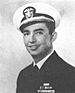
29, 12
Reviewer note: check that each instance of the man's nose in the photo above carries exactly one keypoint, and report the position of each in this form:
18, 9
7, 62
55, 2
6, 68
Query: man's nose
32, 38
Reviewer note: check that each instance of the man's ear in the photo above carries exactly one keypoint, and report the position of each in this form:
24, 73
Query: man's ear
54, 36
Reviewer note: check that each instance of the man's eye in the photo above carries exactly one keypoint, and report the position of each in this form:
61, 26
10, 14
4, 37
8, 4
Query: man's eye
39, 32
26, 34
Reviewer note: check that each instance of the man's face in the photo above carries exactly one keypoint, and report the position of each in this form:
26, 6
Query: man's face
37, 39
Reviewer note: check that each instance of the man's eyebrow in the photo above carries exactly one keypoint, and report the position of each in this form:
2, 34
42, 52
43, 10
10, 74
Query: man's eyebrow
39, 29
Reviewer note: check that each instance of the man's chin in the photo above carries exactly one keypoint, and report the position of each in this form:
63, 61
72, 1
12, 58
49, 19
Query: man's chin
33, 53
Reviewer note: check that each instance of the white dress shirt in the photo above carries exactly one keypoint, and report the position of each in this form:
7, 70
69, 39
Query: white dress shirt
40, 63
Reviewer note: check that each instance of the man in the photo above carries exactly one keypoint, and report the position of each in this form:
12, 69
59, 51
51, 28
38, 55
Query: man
37, 22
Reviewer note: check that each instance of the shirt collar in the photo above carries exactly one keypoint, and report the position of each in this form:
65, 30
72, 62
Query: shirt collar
40, 63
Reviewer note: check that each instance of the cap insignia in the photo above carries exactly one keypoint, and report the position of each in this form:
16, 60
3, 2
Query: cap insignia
29, 12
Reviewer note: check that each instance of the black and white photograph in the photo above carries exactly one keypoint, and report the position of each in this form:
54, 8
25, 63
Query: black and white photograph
37, 46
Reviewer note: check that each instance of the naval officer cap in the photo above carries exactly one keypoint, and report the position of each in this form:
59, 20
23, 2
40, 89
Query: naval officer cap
35, 12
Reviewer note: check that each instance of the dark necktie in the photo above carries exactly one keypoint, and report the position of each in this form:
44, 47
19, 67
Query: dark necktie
36, 68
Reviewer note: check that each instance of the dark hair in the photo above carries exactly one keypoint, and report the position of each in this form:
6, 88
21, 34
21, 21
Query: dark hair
50, 25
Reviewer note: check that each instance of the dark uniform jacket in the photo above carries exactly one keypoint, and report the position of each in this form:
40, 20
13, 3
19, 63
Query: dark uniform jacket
55, 71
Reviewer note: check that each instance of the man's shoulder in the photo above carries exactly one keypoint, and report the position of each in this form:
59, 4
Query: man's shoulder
28, 68
64, 63
59, 63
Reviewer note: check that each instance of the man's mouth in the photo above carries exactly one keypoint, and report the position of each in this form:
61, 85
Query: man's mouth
33, 47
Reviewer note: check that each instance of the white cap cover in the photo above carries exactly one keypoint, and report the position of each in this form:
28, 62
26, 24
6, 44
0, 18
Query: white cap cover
35, 11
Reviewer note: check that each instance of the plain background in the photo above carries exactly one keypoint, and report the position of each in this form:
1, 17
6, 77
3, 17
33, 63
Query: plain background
13, 55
